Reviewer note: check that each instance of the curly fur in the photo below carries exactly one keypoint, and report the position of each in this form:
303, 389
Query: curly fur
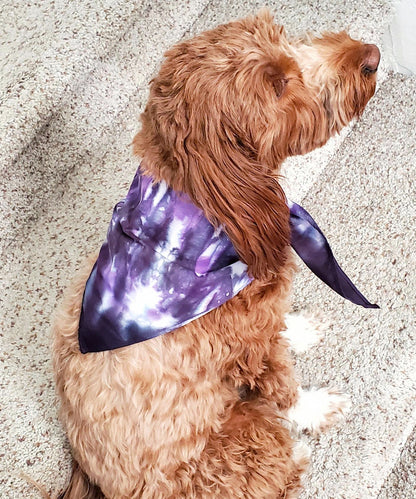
197, 413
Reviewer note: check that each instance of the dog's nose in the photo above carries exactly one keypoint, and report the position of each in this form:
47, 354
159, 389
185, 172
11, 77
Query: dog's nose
371, 58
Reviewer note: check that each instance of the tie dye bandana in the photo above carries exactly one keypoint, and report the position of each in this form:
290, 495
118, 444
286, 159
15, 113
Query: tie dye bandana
163, 265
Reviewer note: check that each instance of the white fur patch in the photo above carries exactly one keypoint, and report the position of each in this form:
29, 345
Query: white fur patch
301, 452
303, 332
318, 409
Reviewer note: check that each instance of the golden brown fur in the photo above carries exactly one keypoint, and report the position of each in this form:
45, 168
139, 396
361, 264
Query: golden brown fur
195, 413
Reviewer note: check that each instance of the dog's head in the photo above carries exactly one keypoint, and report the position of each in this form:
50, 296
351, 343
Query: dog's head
341, 73
229, 105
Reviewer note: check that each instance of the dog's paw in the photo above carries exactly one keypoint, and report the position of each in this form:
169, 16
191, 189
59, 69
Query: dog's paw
304, 331
318, 409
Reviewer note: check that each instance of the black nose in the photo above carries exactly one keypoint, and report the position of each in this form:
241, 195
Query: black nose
371, 58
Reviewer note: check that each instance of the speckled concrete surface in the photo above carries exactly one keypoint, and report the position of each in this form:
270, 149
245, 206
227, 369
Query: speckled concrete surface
66, 178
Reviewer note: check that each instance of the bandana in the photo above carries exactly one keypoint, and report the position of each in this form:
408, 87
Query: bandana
163, 265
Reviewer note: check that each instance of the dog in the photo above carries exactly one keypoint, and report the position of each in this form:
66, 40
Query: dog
210, 408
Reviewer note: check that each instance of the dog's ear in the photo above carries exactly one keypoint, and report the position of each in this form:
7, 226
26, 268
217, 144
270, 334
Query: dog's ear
234, 189
223, 178
247, 200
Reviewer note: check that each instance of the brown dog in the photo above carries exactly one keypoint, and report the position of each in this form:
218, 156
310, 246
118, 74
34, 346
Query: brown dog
197, 413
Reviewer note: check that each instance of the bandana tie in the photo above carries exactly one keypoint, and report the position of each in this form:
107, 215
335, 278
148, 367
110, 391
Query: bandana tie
163, 265
313, 248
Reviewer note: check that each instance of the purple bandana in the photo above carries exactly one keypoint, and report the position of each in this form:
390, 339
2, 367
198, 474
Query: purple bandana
313, 248
163, 265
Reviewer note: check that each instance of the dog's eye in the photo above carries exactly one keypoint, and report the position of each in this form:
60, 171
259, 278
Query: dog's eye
368, 71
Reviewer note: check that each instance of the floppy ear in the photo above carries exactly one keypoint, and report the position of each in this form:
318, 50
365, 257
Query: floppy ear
239, 193
226, 177
233, 189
